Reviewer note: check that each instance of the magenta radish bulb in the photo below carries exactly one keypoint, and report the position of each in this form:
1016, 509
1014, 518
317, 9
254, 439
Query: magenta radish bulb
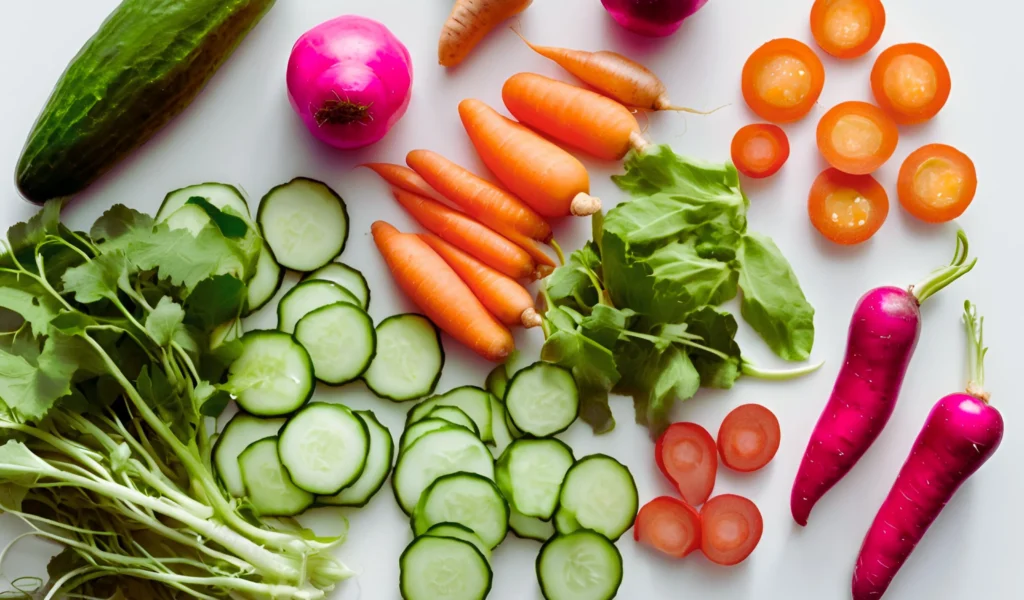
653, 18
349, 80
882, 336
960, 434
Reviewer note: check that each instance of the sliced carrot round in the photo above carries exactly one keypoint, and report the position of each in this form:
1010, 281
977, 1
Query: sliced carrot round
749, 438
857, 137
910, 82
687, 456
937, 183
760, 150
847, 209
847, 28
668, 525
782, 80
731, 528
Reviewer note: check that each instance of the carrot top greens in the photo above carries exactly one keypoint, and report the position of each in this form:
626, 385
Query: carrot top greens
636, 311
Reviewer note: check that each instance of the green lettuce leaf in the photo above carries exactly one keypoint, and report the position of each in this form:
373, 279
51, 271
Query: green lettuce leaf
717, 330
657, 380
593, 367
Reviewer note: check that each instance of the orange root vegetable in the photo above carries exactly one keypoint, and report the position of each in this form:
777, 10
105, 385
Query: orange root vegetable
467, 234
501, 295
402, 177
469, 22
546, 177
439, 292
572, 115
613, 75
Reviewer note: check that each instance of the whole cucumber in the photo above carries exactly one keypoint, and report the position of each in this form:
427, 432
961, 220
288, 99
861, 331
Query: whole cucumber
147, 62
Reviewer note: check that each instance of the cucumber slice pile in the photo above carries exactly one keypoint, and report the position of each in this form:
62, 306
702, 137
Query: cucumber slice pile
473, 401
469, 500
324, 448
238, 434
378, 466
307, 297
455, 416
273, 375
269, 489
221, 195
305, 222
530, 474
599, 493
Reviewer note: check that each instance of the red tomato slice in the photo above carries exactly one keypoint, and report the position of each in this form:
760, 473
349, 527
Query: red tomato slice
857, 137
749, 438
847, 28
669, 526
760, 150
687, 456
782, 80
847, 209
937, 183
731, 528
910, 82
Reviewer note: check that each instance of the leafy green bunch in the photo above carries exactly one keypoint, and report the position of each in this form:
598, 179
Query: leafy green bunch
636, 311
107, 378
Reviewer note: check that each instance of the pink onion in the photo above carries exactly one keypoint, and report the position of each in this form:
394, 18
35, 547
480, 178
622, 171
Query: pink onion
654, 18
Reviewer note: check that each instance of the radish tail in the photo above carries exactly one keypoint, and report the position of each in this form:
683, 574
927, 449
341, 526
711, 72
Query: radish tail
948, 274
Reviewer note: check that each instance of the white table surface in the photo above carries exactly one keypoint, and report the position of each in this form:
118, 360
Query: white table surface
241, 130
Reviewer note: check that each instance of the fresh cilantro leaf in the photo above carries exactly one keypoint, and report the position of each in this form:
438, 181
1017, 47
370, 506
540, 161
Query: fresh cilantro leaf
214, 301
605, 325
230, 226
658, 378
575, 279
165, 321
30, 386
23, 295
120, 220
99, 278
593, 367
773, 302
216, 361
717, 330
32, 232
72, 322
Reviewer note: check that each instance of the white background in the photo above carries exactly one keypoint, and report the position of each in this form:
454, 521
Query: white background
241, 130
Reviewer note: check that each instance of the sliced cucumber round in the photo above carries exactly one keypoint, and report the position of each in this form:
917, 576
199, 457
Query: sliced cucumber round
409, 358
565, 522
436, 454
273, 376
466, 499
421, 428
460, 532
240, 432
542, 399
324, 448
347, 277
497, 382
305, 222
340, 339
530, 474
455, 416
580, 566
436, 568
473, 401
190, 217
307, 297
378, 466
530, 528
265, 282
599, 493
499, 428
269, 489
220, 195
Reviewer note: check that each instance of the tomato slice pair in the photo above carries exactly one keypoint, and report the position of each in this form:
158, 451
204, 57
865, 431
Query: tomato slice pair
937, 183
782, 80
857, 137
847, 209
847, 28
910, 82
760, 150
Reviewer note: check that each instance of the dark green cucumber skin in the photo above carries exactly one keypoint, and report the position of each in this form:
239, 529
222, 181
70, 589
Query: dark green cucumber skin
147, 62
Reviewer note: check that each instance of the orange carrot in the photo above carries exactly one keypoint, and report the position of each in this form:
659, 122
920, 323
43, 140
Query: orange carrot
546, 177
613, 75
439, 292
402, 177
501, 295
572, 115
469, 235
484, 201
469, 22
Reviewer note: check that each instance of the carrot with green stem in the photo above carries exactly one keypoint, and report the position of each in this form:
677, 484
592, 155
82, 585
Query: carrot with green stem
613, 75
402, 177
574, 116
549, 179
484, 201
500, 294
471, 236
439, 292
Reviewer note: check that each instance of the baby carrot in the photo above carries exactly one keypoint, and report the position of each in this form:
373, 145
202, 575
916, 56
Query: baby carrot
439, 292
613, 75
502, 295
467, 234
581, 118
402, 177
546, 177
484, 201
469, 22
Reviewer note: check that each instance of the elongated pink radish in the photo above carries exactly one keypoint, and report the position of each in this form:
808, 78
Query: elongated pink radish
962, 431
882, 336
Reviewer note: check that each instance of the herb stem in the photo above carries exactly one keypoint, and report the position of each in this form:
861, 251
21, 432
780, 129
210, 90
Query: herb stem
944, 276
751, 370
976, 352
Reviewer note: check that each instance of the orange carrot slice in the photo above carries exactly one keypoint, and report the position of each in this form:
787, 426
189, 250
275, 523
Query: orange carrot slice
782, 80
857, 137
910, 82
847, 209
847, 28
937, 183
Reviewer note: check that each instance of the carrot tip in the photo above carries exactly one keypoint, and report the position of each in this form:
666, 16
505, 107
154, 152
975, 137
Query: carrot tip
542, 271
531, 318
663, 103
584, 205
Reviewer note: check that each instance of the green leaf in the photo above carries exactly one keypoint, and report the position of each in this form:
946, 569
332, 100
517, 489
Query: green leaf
575, 279
660, 170
717, 330
30, 386
32, 232
214, 301
173, 407
659, 378
593, 367
605, 324
166, 320
72, 322
773, 302
27, 297
120, 220
99, 278
230, 226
